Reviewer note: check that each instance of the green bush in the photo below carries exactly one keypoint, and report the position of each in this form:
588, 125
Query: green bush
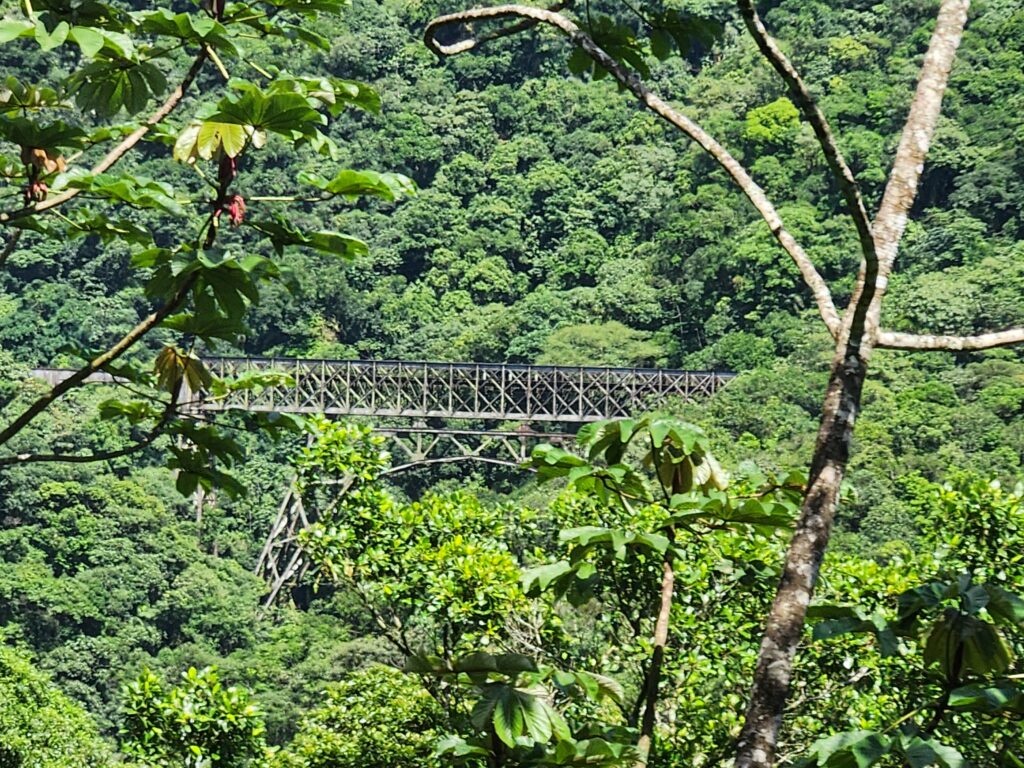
377, 718
40, 727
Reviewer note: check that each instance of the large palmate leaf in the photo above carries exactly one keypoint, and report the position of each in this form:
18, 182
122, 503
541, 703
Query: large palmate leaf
334, 93
999, 696
514, 712
174, 366
957, 640
281, 234
286, 113
353, 184
137, 191
852, 749
191, 27
16, 96
26, 132
108, 86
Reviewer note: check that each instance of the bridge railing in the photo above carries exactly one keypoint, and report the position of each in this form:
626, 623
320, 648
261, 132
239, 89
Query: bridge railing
507, 392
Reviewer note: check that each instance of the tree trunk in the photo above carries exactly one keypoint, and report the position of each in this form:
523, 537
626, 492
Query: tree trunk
859, 335
757, 741
646, 740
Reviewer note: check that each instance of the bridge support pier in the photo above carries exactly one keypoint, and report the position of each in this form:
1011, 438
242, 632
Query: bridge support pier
282, 563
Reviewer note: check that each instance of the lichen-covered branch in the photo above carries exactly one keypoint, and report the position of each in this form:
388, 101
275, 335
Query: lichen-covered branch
785, 626
474, 41
632, 82
925, 342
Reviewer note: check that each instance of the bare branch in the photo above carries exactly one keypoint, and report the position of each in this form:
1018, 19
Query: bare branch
631, 81
927, 342
34, 458
784, 628
115, 154
79, 377
813, 115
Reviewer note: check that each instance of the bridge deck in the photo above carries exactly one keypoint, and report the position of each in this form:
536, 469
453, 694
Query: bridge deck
414, 390
461, 390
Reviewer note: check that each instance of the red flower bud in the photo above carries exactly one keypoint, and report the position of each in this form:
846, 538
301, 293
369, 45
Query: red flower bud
235, 208
36, 192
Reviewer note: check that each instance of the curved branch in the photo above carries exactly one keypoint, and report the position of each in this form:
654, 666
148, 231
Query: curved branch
115, 154
784, 628
813, 115
470, 43
632, 82
34, 458
79, 377
928, 342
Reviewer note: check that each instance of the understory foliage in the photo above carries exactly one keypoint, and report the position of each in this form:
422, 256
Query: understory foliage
40, 727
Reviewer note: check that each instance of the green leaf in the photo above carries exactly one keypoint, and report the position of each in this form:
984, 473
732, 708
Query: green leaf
662, 44
89, 40
1004, 606
1003, 696
539, 579
929, 753
283, 234
852, 749
458, 747
49, 40
508, 716
14, 28
352, 184
214, 136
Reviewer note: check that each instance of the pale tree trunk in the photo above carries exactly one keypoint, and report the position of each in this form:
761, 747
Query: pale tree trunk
756, 746
784, 628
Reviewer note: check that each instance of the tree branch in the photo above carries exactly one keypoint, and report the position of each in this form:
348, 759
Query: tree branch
652, 681
813, 115
115, 154
632, 82
916, 138
928, 343
34, 458
472, 42
78, 378
784, 627
9, 247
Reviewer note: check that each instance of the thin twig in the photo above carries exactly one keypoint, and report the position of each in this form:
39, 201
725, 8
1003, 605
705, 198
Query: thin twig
158, 429
819, 123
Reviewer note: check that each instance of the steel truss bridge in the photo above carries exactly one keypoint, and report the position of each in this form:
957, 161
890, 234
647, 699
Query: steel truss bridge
414, 404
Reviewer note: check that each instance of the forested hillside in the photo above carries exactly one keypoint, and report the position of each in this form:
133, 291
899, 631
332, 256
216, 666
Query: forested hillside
554, 221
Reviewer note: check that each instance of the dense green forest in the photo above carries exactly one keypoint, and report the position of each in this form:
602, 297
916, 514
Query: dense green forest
466, 614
